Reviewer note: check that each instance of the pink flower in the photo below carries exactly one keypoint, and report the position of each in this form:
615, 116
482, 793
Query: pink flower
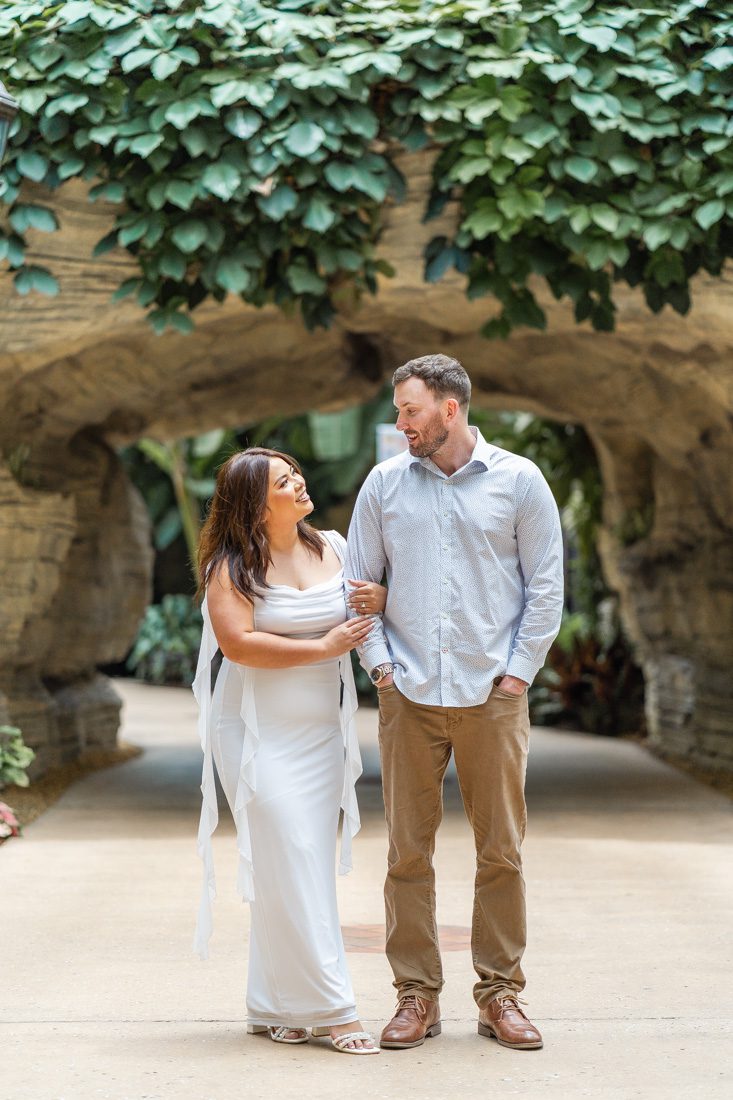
7, 814
9, 824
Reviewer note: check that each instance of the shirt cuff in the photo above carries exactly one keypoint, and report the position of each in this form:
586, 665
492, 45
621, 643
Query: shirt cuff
521, 668
373, 655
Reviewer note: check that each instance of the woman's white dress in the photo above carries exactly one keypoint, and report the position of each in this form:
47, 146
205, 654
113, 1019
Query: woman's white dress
285, 748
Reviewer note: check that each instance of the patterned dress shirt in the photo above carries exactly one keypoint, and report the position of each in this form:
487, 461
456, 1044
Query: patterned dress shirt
474, 566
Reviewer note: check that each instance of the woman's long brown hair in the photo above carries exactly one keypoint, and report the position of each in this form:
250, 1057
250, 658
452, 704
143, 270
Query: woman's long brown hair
234, 531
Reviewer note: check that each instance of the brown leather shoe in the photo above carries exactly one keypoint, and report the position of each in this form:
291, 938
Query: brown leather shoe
503, 1020
415, 1020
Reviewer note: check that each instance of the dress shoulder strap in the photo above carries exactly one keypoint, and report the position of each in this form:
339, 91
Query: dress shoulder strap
338, 542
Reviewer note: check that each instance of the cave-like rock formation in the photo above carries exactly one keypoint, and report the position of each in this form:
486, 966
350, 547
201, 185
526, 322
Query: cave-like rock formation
79, 375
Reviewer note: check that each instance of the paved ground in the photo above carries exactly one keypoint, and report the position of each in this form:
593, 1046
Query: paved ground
629, 890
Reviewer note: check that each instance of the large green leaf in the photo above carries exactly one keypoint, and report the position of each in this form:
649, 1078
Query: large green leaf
242, 122
221, 179
145, 144
208, 443
172, 264
282, 201
656, 234
373, 185
32, 165
181, 193
720, 58
581, 168
182, 113
360, 120
304, 138
304, 280
255, 93
164, 65
35, 278
602, 38
604, 216
189, 235
30, 216
319, 216
133, 232
137, 58
710, 213
622, 163
67, 104
231, 275
339, 175
484, 219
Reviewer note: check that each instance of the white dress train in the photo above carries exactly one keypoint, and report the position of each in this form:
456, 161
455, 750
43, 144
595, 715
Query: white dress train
285, 748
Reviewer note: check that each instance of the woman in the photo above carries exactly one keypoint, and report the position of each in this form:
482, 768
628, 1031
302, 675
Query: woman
280, 729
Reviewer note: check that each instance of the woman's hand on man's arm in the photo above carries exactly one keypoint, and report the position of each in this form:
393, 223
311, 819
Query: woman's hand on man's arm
368, 597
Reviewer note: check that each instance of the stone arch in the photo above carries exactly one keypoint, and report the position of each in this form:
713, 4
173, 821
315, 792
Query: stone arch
79, 376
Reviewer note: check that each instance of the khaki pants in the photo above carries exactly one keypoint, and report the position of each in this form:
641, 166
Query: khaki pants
490, 745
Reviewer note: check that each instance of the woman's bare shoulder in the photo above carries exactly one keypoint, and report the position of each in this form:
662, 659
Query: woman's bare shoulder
219, 583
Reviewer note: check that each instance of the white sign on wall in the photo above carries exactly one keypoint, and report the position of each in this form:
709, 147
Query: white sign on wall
390, 442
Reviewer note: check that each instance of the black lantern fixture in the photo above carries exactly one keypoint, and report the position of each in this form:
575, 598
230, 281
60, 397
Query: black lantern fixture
8, 111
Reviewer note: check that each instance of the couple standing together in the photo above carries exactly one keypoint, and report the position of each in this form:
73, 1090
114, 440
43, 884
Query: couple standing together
468, 536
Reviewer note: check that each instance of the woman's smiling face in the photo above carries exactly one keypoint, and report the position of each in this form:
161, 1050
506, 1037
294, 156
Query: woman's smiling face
287, 497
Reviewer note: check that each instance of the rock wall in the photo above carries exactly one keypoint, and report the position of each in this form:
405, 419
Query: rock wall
77, 559
79, 375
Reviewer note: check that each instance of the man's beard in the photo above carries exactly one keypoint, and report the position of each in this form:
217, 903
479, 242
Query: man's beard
432, 440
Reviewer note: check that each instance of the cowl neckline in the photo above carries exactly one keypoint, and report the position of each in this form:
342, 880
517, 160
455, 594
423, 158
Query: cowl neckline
337, 577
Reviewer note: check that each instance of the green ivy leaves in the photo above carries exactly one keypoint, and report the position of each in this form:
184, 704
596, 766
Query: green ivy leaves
628, 133
304, 138
250, 144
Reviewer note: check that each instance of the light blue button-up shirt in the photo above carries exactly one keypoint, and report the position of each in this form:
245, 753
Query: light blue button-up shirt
474, 566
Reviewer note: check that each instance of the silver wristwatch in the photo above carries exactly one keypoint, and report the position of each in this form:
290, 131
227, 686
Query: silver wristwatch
380, 671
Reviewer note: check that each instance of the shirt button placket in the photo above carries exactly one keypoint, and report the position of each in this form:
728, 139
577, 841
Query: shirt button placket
445, 501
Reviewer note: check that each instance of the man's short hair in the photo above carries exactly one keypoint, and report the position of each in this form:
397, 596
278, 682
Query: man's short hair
442, 375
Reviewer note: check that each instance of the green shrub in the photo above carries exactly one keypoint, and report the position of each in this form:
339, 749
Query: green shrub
15, 757
167, 644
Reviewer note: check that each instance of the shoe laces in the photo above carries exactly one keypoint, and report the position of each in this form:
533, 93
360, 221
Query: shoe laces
412, 1002
510, 1000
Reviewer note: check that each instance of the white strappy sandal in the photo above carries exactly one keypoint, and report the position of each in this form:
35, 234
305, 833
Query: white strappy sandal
339, 1042
278, 1034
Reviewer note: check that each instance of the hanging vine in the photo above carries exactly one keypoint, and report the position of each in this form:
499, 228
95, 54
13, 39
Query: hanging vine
250, 145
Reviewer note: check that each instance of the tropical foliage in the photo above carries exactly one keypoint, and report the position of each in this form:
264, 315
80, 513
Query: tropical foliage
168, 641
590, 680
15, 757
176, 499
251, 146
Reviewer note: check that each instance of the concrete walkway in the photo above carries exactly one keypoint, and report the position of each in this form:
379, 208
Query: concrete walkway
628, 867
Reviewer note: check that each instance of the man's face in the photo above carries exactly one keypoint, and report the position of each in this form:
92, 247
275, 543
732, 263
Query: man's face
420, 415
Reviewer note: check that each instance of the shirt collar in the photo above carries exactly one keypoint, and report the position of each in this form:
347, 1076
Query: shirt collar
481, 454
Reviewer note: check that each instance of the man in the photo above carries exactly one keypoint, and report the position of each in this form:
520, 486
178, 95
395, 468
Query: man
469, 537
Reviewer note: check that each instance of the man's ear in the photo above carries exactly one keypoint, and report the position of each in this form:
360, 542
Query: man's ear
452, 408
